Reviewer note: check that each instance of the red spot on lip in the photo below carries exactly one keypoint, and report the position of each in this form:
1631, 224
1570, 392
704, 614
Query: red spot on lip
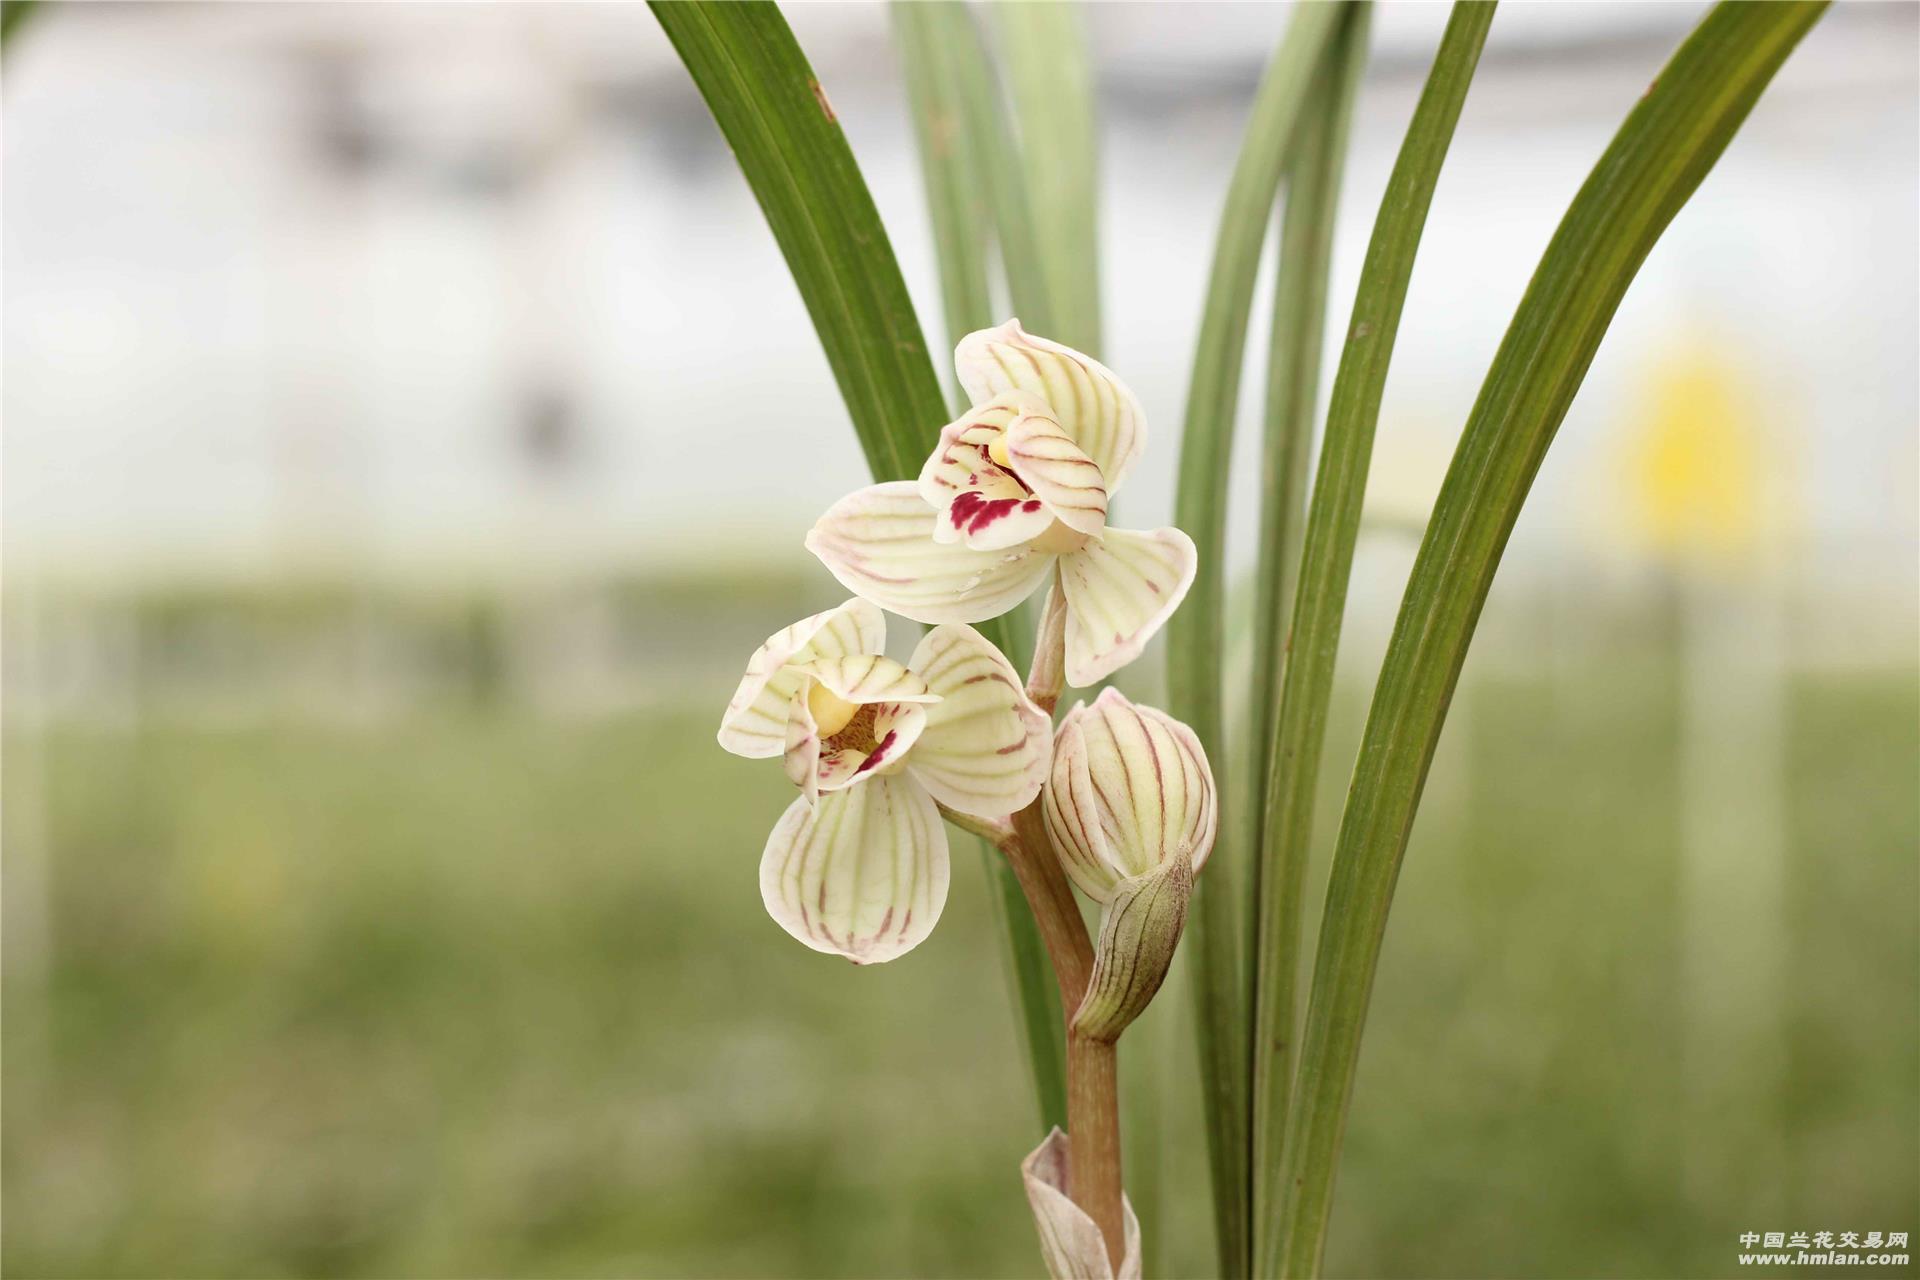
971, 513
1030, 505
879, 755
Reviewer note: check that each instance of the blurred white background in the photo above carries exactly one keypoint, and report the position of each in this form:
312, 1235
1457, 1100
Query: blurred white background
434, 290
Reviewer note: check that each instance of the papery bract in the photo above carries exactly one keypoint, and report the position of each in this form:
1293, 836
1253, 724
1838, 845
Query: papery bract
1016, 484
1070, 1241
857, 866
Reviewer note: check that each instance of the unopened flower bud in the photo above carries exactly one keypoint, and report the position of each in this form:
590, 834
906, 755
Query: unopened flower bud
1129, 790
1130, 807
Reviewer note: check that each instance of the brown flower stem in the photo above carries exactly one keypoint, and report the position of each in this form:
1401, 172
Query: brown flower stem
1093, 1120
1093, 1099
1030, 853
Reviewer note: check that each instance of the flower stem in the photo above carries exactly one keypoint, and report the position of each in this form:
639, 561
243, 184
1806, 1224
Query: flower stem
1030, 854
1093, 1119
1093, 1097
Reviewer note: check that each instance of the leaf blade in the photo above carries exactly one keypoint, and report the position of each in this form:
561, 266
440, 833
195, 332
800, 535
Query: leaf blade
1326, 564
1669, 141
1051, 78
1195, 634
762, 93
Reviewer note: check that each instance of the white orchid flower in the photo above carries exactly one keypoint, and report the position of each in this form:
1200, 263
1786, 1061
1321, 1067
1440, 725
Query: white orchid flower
1017, 485
857, 866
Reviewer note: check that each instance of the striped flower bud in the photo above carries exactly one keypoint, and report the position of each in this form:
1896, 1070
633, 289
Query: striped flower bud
1131, 810
1129, 789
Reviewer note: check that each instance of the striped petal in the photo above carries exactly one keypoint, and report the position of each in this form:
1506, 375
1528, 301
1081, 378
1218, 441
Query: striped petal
896, 727
801, 759
868, 677
817, 765
755, 722
1072, 811
879, 542
1129, 787
986, 744
991, 521
1120, 589
1070, 1241
817, 762
1058, 471
1093, 406
980, 502
862, 874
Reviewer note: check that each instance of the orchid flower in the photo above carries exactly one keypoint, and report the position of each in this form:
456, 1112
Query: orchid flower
857, 866
1018, 485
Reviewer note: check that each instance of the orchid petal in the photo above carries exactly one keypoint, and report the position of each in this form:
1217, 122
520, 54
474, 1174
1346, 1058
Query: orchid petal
879, 542
1120, 589
1070, 1241
862, 874
755, 722
1072, 811
961, 454
981, 502
986, 744
1058, 471
868, 677
987, 520
801, 759
896, 727
1093, 406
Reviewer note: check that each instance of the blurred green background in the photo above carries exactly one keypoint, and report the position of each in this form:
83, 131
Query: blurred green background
447, 977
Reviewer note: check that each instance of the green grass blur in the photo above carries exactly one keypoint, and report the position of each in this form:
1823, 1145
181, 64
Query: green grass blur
480, 991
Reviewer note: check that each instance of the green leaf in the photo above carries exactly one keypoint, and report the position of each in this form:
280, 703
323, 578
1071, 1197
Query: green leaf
965, 137
1045, 47
1665, 148
1293, 374
1293, 390
764, 96
954, 171
1194, 646
13, 15
1326, 564
781, 125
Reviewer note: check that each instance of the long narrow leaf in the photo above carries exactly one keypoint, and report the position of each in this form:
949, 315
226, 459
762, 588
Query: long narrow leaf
1195, 634
1665, 148
1045, 48
967, 164
13, 16
951, 167
1293, 392
965, 130
1325, 566
763, 94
